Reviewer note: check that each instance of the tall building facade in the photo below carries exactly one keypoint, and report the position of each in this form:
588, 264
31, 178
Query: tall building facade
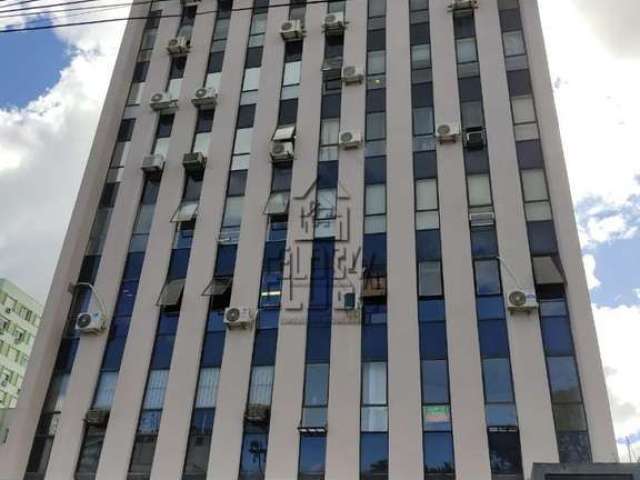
19, 320
321, 239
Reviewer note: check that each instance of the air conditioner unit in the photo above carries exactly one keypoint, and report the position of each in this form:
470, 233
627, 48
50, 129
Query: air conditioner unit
257, 413
97, 417
474, 138
352, 74
162, 101
292, 30
178, 46
334, 23
281, 151
448, 133
152, 164
236, 318
205, 97
350, 139
194, 162
522, 301
346, 301
482, 218
90, 322
457, 5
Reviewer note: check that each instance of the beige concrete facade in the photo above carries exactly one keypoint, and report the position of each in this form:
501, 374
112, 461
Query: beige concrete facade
537, 431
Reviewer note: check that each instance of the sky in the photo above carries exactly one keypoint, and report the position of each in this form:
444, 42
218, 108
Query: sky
54, 84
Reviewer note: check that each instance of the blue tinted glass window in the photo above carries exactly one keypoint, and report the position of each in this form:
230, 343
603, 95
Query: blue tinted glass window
433, 341
494, 341
490, 307
431, 310
119, 326
215, 322
113, 353
225, 260
312, 455
318, 344
212, 349
374, 342
178, 263
202, 420
327, 175
504, 452
374, 455
264, 350
487, 277
375, 170
556, 334
274, 253
496, 373
126, 298
374, 313
133, 267
254, 456
268, 318
66, 354
89, 268
553, 308
563, 378
484, 243
162, 352
435, 382
438, 452
270, 290
168, 323
428, 245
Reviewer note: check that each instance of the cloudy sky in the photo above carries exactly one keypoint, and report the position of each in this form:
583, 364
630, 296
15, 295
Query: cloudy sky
54, 82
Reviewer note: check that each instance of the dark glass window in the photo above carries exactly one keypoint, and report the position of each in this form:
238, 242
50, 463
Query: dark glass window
204, 123
90, 452
253, 458
574, 447
288, 111
484, 242
494, 341
225, 261
487, 274
140, 72
425, 165
428, 245
431, 310
435, 382
165, 123
281, 179
216, 60
463, 26
529, 154
422, 95
556, 333
142, 456
519, 82
331, 106
490, 307
375, 253
312, 457
178, 65
419, 33
246, 115
89, 268
254, 57
264, 350
125, 132
375, 170
497, 380
113, 353
438, 452
510, 20
376, 40
212, 349
563, 378
374, 342
376, 100
237, 182
133, 267
470, 89
433, 340
504, 452
327, 175
179, 263
318, 344
374, 456
542, 238
292, 51
162, 352
126, 298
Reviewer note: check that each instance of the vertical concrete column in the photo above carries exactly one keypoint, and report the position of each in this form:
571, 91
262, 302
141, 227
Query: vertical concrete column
282, 460
236, 362
531, 388
405, 401
465, 375
15, 453
174, 427
592, 378
121, 430
343, 439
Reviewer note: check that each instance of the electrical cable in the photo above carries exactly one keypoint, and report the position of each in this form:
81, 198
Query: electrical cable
145, 17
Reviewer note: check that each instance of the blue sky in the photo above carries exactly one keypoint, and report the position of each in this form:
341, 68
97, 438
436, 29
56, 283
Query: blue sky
42, 52
54, 83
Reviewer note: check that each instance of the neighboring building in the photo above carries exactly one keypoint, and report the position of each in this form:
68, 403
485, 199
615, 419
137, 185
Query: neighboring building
19, 320
384, 208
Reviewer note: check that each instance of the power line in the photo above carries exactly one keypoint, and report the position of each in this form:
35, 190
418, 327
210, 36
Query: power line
87, 9
145, 17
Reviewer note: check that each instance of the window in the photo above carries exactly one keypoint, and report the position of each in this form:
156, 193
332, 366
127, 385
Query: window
423, 121
374, 455
497, 380
435, 382
493, 338
207, 387
156, 387
438, 452
504, 453
233, 212
427, 194
171, 293
534, 185
556, 334
312, 457
574, 447
487, 276
106, 390
253, 458
466, 50
523, 110
374, 383
376, 125
375, 199
261, 385
316, 384
513, 43
251, 79
430, 279
563, 378
479, 190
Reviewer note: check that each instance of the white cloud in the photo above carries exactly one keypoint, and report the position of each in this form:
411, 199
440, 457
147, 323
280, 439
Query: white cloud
597, 229
590, 269
618, 333
44, 149
597, 98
